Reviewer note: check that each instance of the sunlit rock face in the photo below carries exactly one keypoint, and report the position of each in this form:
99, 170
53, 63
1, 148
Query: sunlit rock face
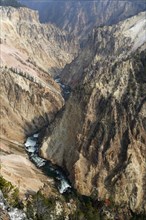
109, 44
101, 137
45, 46
80, 17
28, 103
17, 169
30, 53
29, 97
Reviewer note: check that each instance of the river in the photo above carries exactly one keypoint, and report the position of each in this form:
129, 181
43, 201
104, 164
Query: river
32, 148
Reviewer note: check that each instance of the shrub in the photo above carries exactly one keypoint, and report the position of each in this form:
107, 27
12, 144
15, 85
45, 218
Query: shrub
10, 192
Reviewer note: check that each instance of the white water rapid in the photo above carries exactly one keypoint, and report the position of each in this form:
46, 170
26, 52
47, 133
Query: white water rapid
31, 146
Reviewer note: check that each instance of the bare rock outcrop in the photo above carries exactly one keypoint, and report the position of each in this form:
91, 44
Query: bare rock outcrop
43, 45
27, 103
29, 97
30, 53
17, 169
80, 17
101, 138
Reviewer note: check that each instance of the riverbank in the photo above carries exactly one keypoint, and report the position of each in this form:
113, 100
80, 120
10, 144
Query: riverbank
50, 170
16, 168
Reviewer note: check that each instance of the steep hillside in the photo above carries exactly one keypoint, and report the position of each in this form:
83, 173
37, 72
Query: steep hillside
112, 43
40, 45
27, 103
30, 52
29, 97
79, 17
101, 137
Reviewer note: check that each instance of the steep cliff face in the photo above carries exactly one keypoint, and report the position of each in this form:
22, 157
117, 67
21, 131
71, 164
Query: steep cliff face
27, 103
29, 97
79, 17
30, 53
43, 45
17, 169
108, 43
101, 137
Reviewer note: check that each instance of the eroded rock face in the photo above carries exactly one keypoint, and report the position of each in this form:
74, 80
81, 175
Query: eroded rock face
109, 44
4, 215
80, 17
29, 97
16, 168
30, 53
27, 103
42, 45
101, 138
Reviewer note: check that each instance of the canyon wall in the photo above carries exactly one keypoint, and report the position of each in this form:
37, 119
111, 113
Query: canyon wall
30, 53
101, 137
45, 46
80, 17
29, 97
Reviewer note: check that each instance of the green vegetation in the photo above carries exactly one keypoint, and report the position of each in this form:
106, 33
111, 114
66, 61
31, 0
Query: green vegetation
13, 3
39, 207
87, 208
21, 73
86, 211
138, 217
10, 192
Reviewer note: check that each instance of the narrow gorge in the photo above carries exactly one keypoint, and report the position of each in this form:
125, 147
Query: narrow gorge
73, 111
103, 126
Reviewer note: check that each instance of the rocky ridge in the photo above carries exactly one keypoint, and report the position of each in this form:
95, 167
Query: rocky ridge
111, 43
30, 53
103, 130
42, 45
22, 98
29, 97
80, 17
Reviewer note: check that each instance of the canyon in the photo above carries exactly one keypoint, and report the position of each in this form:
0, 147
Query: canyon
102, 130
80, 17
29, 97
30, 54
77, 102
